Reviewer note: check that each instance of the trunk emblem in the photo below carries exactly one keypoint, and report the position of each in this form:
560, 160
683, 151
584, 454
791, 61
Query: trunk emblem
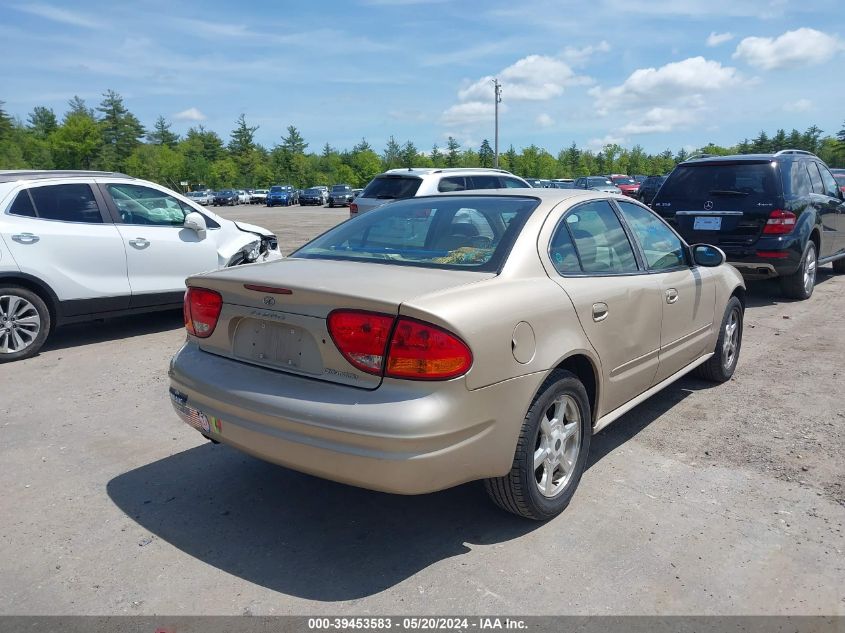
269, 301
708, 205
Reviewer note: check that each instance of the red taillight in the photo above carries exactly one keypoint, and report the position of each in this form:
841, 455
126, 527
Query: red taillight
361, 337
201, 310
416, 350
779, 222
353, 208
423, 351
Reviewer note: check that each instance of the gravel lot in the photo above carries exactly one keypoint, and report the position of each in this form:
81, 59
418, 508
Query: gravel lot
703, 500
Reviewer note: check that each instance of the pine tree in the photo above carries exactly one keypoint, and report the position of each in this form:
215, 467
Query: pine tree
392, 157
293, 142
77, 106
161, 134
363, 146
5, 122
453, 149
408, 154
436, 156
242, 137
121, 130
485, 154
42, 122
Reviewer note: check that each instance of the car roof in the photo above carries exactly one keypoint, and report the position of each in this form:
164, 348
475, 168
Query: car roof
14, 175
546, 195
422, 171
784, 154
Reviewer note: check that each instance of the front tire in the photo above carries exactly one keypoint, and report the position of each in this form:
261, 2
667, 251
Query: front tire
24, 323
799, 285
551, 452
721, 366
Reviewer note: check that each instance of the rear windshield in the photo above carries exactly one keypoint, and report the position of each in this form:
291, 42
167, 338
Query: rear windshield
455, 232
392, 188
743, 180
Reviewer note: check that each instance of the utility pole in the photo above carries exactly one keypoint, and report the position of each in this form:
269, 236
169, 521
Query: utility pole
497, 97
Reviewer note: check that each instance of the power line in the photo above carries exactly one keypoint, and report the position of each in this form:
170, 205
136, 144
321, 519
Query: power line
497, 99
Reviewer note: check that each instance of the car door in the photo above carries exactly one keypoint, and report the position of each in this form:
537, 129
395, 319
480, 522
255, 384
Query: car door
63, 235
827, 206
618, 304
160, 251
688, 292
834, 200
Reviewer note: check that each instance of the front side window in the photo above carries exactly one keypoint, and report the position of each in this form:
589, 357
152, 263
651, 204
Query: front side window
458, 232
662, 248
599, 239
65, 203
146, 206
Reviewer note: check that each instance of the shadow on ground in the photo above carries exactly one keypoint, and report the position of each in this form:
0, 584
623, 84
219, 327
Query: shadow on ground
113, 329
319, 540
768, 293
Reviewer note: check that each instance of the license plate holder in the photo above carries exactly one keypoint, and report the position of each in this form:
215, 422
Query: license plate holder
707, 223
269, 343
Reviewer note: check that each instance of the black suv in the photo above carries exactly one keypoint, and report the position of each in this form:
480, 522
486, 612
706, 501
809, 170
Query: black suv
774, 215
649, 188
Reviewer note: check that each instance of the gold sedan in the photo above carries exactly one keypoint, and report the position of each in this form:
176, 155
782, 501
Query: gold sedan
444, 339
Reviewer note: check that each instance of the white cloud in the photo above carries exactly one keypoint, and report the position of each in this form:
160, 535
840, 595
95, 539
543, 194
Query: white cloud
802, 105
714, 39
544, 120
191, 114
794, 48
59, 14
470, 112
609, 139
686, 80
532, 78
580, 56
660, 119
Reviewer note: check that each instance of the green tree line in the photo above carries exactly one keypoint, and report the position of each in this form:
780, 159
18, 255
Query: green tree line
109, 137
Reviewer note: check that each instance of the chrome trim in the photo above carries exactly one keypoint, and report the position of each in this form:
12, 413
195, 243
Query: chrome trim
727, 213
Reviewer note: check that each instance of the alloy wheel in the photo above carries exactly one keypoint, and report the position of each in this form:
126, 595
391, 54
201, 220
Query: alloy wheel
810, 269
19, 324
557, 447
730, 344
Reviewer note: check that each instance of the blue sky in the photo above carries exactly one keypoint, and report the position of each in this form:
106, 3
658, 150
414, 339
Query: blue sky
661, 73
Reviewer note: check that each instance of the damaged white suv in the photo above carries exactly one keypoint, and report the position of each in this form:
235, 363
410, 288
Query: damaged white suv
83, 245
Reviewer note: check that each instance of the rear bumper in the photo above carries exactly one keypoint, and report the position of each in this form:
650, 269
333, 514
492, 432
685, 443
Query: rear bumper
767, 257
405, 437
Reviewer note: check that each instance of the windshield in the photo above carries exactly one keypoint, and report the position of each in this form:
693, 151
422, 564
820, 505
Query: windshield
313, 191
276, 189
340, 188
392, 187
623, 180
226, 192
598, 182
456, 232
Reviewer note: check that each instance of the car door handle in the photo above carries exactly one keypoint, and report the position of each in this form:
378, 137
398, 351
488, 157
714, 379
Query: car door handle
26, 238
139, 242
672, 295
599, 312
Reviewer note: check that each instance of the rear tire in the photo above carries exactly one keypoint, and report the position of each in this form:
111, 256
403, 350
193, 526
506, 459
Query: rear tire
556, 433
24, 323
721, 366
799, 285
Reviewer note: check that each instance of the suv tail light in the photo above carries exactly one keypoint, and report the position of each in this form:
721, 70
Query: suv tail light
201, 310
780, 222
416, 350
353, 208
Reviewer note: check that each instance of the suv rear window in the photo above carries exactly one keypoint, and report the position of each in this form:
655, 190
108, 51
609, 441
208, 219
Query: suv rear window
698, 181
466, 233
392, 187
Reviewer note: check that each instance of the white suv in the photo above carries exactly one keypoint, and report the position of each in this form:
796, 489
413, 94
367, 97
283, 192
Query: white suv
78, 246
397, 184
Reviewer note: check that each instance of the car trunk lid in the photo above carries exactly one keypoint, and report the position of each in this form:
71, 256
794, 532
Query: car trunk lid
275, 315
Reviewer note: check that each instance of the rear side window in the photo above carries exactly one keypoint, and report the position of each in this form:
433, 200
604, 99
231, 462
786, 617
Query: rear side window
815, 178
23, 205
799, 180
392, 188
484, 182
512, 183
600, 241
452, 183
65, 203
748, 180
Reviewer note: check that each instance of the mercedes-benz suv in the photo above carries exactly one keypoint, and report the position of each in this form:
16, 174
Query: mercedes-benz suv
774, 215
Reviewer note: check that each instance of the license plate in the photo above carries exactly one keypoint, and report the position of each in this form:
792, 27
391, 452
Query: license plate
707, 223
269, 343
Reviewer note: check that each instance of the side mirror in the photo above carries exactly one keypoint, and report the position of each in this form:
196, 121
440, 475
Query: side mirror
196, 222
706, 255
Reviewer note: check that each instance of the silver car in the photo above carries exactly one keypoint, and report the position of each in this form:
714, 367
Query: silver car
444, 339
597, 183
398, 184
